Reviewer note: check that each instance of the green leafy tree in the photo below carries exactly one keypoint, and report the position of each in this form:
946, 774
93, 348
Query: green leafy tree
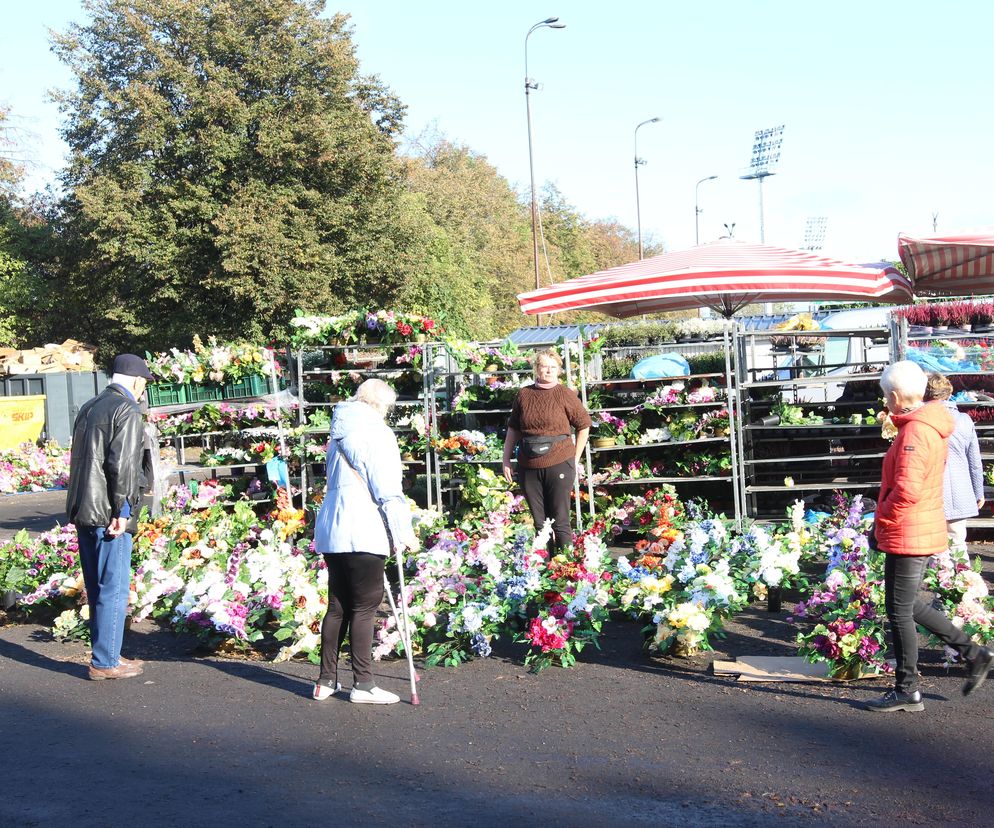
24, 236
228, 163
481, 239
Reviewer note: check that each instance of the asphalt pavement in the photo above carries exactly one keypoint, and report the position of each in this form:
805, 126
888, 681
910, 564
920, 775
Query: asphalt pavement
34, 511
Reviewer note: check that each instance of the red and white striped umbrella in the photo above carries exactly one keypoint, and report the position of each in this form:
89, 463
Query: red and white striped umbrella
724, 275
952, 265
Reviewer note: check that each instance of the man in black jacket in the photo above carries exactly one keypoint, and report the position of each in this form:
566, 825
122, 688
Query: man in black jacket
103, 502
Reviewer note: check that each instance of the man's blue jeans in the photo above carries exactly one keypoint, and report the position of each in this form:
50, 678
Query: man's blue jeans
106, 564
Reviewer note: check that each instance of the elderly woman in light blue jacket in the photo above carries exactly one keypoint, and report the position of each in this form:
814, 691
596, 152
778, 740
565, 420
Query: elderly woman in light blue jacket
363, 516
963, 484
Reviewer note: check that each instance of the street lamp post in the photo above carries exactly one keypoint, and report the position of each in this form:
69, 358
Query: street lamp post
638, 163
697, 209
548, 23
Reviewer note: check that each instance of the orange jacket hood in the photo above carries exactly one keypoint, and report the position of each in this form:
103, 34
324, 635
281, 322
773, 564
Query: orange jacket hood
934, 414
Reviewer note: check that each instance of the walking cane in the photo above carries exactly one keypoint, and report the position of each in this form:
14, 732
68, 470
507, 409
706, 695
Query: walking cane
405, 630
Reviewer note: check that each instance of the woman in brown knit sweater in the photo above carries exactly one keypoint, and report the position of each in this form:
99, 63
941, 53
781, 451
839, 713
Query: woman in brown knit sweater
542, 421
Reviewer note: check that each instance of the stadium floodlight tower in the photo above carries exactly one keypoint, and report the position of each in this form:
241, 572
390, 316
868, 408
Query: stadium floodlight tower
765, 157
814, 232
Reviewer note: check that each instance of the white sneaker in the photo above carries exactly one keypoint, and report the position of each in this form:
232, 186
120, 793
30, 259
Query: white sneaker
374, 696
323, 691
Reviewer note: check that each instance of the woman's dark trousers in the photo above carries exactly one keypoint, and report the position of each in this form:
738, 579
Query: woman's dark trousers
355, 590
548, 492
905, 609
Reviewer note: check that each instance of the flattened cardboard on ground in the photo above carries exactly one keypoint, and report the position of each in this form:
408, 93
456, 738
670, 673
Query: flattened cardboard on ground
772, 668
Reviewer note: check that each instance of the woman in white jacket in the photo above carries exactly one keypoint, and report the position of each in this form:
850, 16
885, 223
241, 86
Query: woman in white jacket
363, 515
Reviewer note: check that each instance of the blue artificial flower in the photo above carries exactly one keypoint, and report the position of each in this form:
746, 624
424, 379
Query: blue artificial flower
481, 646
688, 573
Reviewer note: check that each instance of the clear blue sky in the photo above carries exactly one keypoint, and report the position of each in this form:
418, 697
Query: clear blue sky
887, 105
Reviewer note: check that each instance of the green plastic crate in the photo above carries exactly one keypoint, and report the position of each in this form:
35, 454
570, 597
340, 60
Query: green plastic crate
203, 392
251, 386
166, 393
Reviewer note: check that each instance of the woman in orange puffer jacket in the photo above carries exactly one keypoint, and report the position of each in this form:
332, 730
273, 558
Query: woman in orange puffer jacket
910, 527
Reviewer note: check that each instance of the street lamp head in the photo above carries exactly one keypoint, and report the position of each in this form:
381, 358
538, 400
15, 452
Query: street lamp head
557, 25
654, 120
711, 178
549, 20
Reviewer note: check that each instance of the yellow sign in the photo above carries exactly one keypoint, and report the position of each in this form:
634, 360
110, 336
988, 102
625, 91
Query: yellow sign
21, 420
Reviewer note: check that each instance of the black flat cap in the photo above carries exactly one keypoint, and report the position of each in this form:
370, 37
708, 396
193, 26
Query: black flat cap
131, 365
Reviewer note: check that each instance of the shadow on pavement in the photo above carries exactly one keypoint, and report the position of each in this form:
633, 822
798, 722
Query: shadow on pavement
30, 658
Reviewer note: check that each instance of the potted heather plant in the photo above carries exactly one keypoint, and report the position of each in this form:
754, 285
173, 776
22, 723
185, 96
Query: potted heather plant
938, 315
918, 318
982, 317
959, 314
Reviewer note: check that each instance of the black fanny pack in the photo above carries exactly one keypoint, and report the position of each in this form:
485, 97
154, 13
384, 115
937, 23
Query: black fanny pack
534, 447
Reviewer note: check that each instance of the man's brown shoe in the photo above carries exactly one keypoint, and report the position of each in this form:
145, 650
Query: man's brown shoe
131, 662
122, 671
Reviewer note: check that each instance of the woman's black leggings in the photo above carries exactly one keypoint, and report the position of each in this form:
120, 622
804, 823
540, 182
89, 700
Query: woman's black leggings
355, 590
548, 492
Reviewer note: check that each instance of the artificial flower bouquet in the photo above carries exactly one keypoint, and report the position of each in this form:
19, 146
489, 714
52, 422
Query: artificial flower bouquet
223, 416
623, 432
480, 359
682, 426
496, 391
686, 592
771, 559
34, 467
214, 362
656, 515
573, 603
361, 326
462, 444
963, 593
847, 608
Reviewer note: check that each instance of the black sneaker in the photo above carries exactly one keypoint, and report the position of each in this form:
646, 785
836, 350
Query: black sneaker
894, 701
978, 670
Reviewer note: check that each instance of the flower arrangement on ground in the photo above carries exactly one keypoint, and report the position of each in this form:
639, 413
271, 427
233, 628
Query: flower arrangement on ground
687, 592
41, 569
848, 631
34, 467
464, 582
574, 599
768, 559
963, 593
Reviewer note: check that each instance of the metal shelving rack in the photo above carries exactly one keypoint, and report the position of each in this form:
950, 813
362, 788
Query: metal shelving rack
852, 456
303, 374
730, 401
985, 431
442, 381
183, 472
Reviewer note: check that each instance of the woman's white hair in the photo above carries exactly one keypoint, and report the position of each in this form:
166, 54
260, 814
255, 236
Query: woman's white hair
906, 378
376, 394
